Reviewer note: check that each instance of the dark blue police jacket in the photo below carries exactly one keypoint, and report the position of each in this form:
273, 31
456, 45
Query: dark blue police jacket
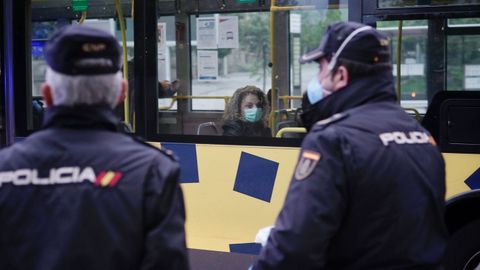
368, 191
79, 195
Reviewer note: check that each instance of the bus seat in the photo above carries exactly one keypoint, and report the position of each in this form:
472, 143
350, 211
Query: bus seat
208, 128
462, 217
287, 123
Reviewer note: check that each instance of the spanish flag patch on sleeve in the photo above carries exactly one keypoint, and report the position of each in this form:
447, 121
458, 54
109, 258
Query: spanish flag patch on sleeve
306, 164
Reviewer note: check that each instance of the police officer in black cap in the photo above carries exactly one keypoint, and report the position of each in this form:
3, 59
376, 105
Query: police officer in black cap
78, 194
368, 189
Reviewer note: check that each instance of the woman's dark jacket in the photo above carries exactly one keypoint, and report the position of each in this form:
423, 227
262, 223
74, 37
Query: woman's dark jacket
242, 128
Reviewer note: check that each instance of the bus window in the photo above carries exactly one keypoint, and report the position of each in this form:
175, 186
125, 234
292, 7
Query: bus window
413, 91
462, 58
46, 19
167, 63
306, 29
40, 33
463, 55
232, 50
228, 51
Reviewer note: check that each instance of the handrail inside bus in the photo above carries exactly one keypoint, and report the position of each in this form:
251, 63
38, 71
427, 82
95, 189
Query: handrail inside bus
288, 8
399, 60
273, 97
226, 99
415, 112
84, 16
126, 103
285, 99
282, 131
120, 16
274, 8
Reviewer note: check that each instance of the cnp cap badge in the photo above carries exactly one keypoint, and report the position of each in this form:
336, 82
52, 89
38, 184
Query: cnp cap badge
307, 164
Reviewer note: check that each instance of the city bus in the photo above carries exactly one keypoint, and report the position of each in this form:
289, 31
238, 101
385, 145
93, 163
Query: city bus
213, 47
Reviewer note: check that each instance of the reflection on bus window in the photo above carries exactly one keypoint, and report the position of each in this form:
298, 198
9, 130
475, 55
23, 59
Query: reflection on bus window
228, 52
166, 61
463, 56
412, 63
41, 31
306, 28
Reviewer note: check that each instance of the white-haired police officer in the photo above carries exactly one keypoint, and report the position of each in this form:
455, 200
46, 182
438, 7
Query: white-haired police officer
78, 194
368, 189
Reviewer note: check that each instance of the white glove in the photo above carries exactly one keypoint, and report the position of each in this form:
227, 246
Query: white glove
262, 235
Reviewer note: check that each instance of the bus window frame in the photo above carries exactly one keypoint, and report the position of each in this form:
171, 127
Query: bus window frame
94, 11
18, 69
369, 9
146, 69
437, 17
145, 23
420, 5
18, 109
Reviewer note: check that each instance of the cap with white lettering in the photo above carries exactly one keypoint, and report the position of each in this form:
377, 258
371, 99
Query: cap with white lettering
83, 50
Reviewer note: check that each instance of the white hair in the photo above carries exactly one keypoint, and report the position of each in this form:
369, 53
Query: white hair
84, 89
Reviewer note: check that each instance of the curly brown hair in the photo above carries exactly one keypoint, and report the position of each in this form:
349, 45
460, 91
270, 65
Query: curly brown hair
233, 111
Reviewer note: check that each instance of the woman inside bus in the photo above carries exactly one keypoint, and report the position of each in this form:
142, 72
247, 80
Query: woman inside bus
246, 113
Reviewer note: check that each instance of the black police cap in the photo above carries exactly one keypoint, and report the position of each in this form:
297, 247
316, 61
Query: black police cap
83, 50
366, 45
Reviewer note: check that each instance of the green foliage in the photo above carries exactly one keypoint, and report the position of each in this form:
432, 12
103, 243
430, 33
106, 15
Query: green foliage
314, 24
255, 33
462, 50
255, 39
396, 3
415, 84
223, 53
464, 21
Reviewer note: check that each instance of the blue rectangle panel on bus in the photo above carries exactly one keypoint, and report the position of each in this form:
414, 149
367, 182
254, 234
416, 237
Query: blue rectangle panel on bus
256, 176
187, 155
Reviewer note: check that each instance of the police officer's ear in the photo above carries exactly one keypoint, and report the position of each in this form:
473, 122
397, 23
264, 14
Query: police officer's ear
340, 78
123, 91
47, 94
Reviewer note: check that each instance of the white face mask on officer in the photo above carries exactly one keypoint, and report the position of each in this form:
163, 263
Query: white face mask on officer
314, 90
